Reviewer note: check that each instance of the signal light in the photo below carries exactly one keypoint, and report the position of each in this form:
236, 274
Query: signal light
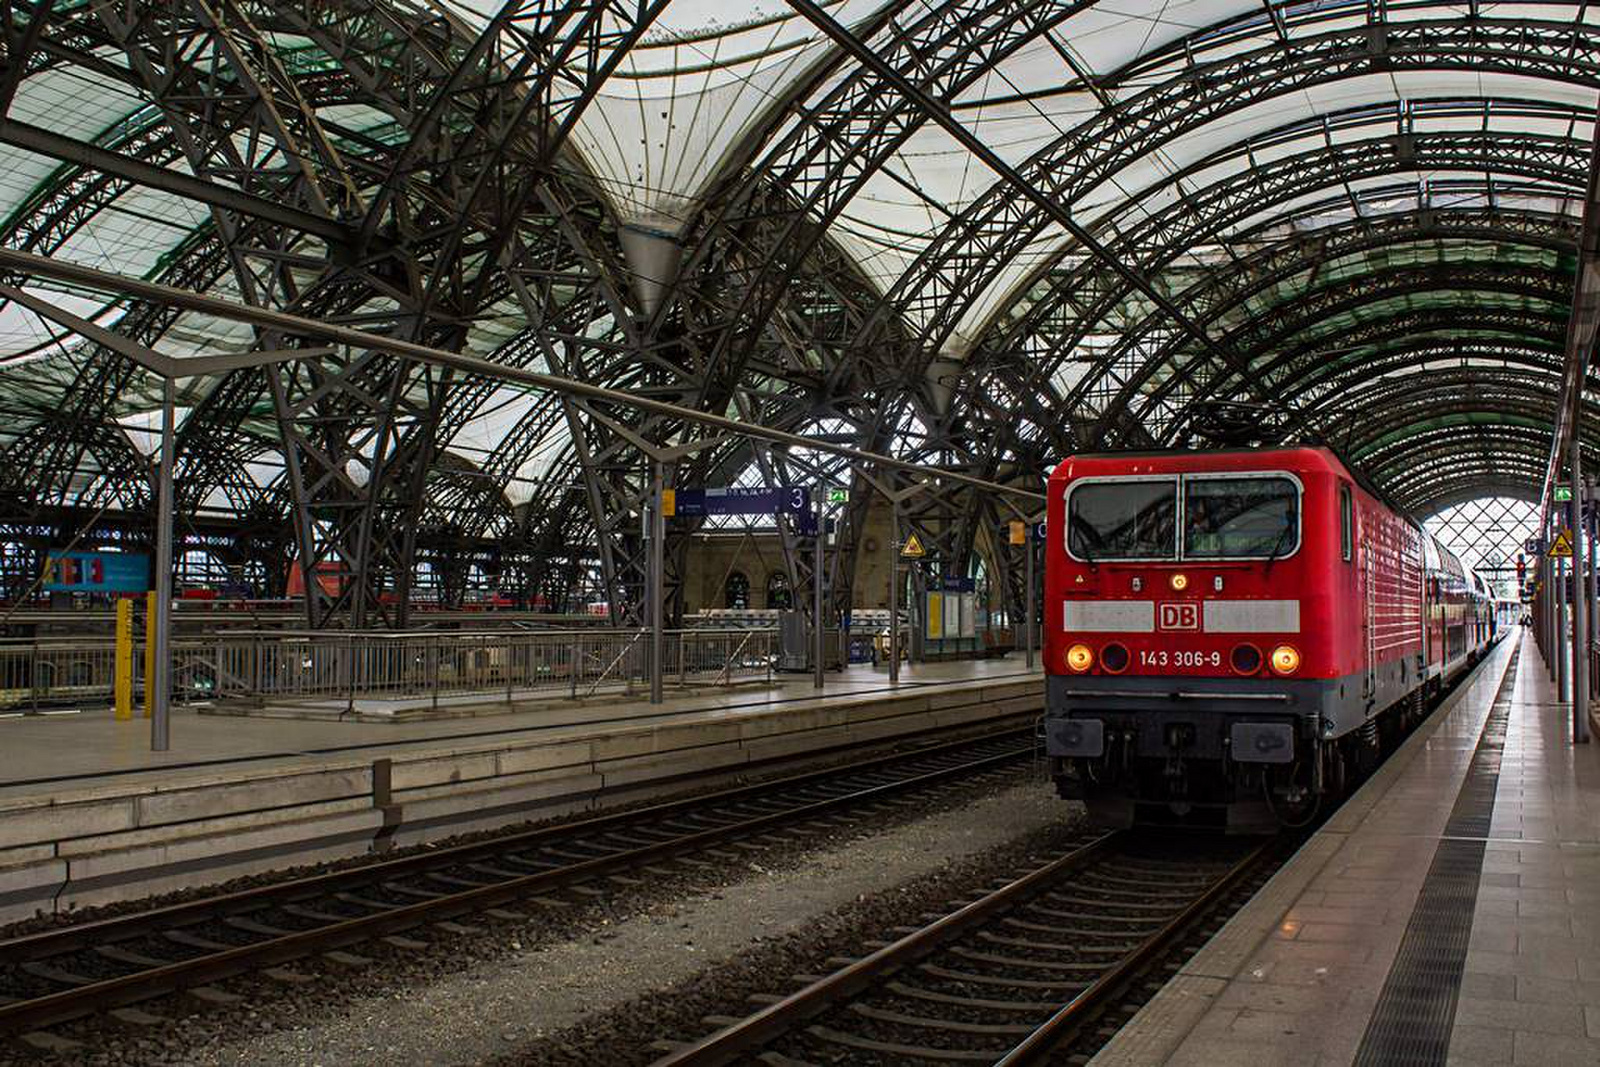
1079, 658
1180, 582
1246, 659
1114, 658
1285, 659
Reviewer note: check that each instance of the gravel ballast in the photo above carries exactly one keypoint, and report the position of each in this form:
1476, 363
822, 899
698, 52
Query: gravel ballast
497, 1007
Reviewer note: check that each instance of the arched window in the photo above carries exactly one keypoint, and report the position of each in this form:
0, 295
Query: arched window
779, 595
737, 590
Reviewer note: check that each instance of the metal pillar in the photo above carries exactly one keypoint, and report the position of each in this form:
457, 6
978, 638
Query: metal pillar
657, 579
1027, 600
1580, 613
160, 724
894, 593
1592, 541
1592, 498
816, 589
919, 612
1559, 631
1548, 620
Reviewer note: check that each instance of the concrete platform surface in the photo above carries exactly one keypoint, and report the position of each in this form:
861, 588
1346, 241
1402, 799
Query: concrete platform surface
1347, 950
42, 754
89, 815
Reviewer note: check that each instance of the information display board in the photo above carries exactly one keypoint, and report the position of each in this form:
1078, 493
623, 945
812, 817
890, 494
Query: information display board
735, 500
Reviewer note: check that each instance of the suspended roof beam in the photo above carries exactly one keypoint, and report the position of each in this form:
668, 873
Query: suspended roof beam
939, 112
79, 153
1581, 329
78, 275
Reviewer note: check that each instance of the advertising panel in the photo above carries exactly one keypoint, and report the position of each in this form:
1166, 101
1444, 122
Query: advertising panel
96, 572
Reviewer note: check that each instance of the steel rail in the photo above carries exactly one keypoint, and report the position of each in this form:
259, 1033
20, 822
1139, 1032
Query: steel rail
781, 1016
41, 267
27, 1014
1038, 1046
734, 1042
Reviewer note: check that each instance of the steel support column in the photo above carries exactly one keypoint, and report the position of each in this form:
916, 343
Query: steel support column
819, 495
894, 592
1028, 611
1580, 606
161, 640
1592, 539
657, 593
1547, 630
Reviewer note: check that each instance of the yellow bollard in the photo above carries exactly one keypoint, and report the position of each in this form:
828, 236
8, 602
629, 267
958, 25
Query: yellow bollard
124, 665
149, 652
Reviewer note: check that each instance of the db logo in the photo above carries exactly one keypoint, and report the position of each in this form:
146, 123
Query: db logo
1178, 617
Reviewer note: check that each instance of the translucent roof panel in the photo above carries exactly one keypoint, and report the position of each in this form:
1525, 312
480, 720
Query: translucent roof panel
1188, 135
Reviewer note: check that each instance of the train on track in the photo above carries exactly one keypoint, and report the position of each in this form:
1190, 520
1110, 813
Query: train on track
1232, 636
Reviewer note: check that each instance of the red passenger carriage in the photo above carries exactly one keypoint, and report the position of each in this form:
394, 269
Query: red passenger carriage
1231, 635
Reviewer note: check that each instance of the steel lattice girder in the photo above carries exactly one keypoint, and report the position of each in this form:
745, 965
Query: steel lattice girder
493, 155
1203, 215
1273, 262
746, 256
1549, 162
769, 318
1309, 258
1429, 465
960, 264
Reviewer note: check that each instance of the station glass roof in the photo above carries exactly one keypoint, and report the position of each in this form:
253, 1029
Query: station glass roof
1371, 204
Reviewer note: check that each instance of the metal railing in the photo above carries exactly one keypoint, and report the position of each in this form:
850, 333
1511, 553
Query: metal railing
41, 676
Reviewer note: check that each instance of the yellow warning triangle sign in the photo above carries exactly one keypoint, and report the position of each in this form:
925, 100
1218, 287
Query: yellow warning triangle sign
1562, 547
913, 548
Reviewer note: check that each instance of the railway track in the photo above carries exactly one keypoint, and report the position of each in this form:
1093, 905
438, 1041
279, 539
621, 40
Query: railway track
1006, 978
61, 974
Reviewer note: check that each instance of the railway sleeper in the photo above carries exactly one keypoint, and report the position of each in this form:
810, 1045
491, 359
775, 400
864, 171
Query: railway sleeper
925, 1022
136, 1019
1003, 981
894, 1048
117, 954
935, 997
1109, 951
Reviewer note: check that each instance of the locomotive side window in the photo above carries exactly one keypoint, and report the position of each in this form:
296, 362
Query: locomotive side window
1347, 524
1240, 518
1123, 520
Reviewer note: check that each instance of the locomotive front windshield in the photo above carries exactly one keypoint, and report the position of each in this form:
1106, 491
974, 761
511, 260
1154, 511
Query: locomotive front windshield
1240, 518
1222, 518
1123, 520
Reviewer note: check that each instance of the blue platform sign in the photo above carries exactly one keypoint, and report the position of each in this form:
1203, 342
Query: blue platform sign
97, 572
738, 500
951, 583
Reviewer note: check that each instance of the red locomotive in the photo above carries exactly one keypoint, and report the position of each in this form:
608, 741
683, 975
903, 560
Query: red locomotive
1233, 635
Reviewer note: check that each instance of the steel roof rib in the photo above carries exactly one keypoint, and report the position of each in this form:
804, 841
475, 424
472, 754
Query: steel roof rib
972, 235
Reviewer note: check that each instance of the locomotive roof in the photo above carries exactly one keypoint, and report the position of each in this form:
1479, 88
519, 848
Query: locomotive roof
1330, 455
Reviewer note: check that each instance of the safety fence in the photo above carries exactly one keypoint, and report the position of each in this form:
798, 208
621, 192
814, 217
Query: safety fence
44, 676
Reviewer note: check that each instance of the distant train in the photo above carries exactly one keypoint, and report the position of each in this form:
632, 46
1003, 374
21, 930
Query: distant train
1232, 636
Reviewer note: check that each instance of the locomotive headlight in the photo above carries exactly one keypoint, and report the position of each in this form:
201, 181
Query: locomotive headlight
1079, 658
1180, 582
1285, 659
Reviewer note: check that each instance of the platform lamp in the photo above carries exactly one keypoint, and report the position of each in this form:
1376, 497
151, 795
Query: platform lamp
169, 369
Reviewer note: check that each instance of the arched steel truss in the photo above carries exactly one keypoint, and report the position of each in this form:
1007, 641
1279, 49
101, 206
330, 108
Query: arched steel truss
1396, 275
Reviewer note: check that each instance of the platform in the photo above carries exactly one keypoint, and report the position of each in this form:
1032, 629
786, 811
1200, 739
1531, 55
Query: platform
1450, 910
88, 814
